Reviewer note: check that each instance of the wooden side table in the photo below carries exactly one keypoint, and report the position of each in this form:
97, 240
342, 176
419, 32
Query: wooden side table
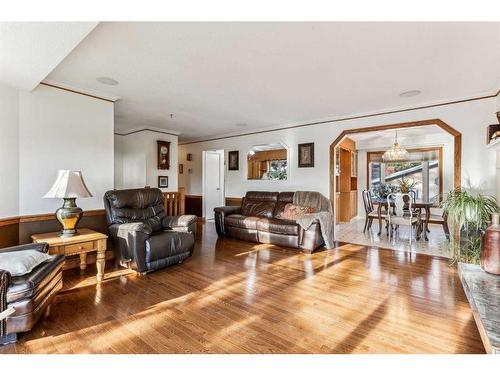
84, 242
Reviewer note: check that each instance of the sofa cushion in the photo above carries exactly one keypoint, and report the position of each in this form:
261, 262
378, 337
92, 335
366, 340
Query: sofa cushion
278, 226
19, 263
26, 286
259, 203
283, 199
241, 221
168, 243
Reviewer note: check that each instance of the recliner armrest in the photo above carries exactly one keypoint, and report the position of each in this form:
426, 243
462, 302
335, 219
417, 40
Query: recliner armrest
228, 210
118, 229
131, 238
178, 221
42, 247
220, 214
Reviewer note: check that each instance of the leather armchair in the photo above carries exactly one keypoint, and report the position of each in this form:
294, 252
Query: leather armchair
30, 295
147, 239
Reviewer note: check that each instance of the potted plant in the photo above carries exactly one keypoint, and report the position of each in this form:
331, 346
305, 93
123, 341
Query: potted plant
469, 216
406, 184
383, 190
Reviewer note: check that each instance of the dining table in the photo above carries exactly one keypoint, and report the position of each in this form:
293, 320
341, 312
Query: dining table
417, 203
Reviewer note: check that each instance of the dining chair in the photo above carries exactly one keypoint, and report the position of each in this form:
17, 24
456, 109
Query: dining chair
402, 214
370, 212
441, 220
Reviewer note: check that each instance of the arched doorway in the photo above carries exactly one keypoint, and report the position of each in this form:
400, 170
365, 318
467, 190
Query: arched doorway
457, 141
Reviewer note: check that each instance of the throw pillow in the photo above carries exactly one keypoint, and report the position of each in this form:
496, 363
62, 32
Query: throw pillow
19, 263
292, 212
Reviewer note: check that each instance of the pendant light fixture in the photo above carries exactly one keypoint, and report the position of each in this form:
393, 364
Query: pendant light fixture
396, 152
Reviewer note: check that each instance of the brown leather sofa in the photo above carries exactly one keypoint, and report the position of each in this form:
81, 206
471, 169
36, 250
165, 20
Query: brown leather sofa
30, 295
257, 220
147, 239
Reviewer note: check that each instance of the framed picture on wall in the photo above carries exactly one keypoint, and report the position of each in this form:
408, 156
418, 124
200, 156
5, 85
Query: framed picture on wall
233, 163
306, 155
189, 157
163, 149
181, 168
163, 181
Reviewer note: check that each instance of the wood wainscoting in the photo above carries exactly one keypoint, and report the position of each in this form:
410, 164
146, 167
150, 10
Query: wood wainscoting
194, 204
231, 201
18, 230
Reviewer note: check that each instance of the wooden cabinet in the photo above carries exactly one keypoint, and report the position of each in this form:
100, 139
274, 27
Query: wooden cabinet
347, 181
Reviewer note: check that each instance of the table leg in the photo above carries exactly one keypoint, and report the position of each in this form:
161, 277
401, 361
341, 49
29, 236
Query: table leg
83, 261
101, 259
426, 224
100, 263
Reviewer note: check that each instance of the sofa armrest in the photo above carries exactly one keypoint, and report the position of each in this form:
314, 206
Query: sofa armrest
42, 247
4, 286
220, 214
131, 238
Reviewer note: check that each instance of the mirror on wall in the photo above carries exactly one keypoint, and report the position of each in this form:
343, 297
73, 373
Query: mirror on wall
267, 162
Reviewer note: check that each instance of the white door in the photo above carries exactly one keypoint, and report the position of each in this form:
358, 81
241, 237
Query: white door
213, 187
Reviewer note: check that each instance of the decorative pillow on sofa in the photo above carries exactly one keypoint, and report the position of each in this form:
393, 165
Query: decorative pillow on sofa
19, 263
292, 212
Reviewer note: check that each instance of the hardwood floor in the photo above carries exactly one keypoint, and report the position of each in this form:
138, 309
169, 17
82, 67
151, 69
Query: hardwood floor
237, 297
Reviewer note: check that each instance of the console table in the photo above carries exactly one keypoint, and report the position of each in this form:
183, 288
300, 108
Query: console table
84, 242
483, 292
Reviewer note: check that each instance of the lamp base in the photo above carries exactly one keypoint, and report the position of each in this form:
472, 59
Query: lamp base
69, 215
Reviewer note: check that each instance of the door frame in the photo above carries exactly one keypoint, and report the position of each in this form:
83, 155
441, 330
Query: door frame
457, 141
222, 169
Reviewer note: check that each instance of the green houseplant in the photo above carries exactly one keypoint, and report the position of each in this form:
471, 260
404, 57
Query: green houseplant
468, 215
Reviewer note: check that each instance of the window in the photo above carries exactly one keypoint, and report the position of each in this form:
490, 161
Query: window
423, 169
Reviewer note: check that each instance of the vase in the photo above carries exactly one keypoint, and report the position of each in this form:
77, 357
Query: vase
490, 248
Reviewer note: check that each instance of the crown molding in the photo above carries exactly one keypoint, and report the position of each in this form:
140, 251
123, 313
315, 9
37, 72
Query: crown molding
76, 90
149, 129
483, 96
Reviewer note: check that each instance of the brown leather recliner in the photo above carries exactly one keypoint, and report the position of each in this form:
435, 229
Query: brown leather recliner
30, 295
147, 239
257, 220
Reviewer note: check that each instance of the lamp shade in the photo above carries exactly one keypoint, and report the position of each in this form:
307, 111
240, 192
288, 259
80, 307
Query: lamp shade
68, 184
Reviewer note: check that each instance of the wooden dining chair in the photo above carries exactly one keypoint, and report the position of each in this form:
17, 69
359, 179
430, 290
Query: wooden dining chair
402, 214
442, 220
370, 211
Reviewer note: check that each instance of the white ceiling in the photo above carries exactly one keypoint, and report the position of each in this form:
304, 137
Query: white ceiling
212, 76
31, 50
404, 133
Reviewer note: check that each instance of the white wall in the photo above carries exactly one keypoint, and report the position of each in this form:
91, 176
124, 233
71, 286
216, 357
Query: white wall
470, 118
9, 152
63, 130
136, 160
445, 140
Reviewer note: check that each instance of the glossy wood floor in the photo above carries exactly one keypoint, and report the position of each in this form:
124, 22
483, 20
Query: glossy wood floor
237, 297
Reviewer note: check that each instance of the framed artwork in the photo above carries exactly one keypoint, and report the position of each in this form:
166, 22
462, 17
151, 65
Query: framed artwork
306, 155
189, 157
163, 181
233, 163
181, 168
163, 154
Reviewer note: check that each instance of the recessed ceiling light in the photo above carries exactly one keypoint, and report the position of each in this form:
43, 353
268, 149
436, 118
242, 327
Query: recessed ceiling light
241, 125
409, 94
107, 81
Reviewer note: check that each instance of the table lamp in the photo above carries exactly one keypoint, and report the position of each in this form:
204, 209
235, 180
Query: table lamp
69, 185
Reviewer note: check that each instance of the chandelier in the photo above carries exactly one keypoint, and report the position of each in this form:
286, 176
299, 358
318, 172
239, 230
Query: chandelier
396, 152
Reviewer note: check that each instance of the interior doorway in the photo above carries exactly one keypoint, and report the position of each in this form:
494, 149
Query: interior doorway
213, 182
